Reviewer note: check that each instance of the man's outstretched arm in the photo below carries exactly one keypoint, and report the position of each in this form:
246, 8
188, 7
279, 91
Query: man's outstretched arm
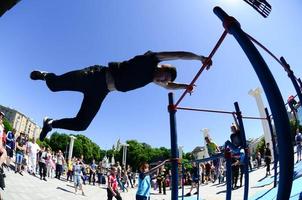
175, 86
175, 55
172, 85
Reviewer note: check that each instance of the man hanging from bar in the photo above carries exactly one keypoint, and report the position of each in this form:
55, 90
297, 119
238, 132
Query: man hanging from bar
95, 82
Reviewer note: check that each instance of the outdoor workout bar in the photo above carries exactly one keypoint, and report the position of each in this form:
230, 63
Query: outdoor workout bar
203, 67
285, 66
244, 146
275, 101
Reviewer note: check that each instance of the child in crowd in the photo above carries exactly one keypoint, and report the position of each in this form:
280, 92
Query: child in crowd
77, 168
144, 181
112, 190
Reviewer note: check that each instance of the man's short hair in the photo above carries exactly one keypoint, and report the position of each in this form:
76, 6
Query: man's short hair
172, 70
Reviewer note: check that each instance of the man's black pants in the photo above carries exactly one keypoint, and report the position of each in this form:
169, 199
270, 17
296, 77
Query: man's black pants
42, 169
91, 82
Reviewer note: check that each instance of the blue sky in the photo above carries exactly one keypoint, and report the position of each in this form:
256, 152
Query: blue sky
60, 36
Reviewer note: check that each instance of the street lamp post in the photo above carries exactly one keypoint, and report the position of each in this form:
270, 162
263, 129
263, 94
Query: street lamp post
124, 146
180, 151
72, 138
205, 132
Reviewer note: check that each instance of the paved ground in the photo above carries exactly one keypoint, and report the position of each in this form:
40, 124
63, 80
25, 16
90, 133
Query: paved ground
28, 187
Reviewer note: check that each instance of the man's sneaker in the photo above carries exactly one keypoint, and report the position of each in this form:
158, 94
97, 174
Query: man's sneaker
38, 75
46, 128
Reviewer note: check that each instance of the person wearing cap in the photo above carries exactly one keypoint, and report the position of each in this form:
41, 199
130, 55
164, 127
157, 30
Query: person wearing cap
97, 81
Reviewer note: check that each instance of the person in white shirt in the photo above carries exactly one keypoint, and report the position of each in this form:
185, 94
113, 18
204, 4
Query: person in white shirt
33, 149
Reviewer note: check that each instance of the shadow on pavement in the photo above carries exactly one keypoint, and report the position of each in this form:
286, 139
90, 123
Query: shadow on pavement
59, 188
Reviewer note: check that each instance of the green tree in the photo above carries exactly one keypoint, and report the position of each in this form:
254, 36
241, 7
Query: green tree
7, 125
261, 146
82, 146
142, 152
110, 153
45, 143
59, 141
78, 148
136, 152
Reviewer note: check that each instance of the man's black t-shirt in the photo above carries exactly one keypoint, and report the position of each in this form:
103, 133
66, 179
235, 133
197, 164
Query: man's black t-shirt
267, 152
134, 73
21, 142
267, 155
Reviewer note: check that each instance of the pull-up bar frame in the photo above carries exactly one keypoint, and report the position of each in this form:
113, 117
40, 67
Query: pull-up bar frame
295, 81
275, 101
205, 65
274, 97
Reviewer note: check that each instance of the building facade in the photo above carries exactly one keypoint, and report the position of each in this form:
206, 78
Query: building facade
21, 122
199, 153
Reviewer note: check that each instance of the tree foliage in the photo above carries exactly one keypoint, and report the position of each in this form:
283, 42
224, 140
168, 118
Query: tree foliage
45, 143
59, 141
142, 152
261, 146
7, 125
136, 152
82, 146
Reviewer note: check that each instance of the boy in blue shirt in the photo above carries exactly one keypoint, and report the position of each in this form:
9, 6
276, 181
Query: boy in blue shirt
144, 181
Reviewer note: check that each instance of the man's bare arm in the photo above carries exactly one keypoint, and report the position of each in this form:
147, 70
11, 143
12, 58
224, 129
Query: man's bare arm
172, 85
175, 55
